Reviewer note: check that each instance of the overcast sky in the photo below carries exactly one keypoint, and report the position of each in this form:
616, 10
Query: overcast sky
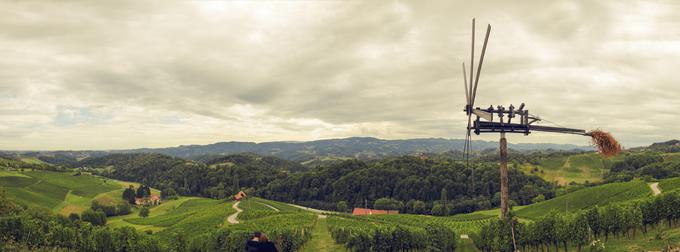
112, 74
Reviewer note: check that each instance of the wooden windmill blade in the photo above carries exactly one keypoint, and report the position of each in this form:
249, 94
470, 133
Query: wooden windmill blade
472, 64
481, 60
465, 82
467, 111
471, 92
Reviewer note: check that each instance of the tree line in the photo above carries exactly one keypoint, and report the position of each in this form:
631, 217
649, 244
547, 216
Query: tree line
218, 179
410, 180
16, 163
650, 165
581, 228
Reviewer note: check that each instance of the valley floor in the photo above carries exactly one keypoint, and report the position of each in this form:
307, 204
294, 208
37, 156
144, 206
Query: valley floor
64, 193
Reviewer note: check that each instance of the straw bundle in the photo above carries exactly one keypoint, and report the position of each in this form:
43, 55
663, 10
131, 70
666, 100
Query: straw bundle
606, 144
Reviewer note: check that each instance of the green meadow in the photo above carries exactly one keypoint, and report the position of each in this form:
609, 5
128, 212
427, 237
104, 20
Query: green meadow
577, 168
587, 197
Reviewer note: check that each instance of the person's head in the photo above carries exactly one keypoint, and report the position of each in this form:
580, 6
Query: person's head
256, 236
263, 238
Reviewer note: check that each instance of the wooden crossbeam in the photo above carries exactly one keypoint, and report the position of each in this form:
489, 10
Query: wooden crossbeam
497, 127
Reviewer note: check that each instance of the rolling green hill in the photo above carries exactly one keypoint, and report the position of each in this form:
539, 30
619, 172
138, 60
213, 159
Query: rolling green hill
58, 191
598, 195
200, 219
190, 217
577, 168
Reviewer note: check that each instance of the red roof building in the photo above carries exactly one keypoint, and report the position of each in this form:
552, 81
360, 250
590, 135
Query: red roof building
148, 201
366, 211
240, 195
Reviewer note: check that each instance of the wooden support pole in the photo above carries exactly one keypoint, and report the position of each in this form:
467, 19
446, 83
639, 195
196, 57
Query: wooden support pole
504, 175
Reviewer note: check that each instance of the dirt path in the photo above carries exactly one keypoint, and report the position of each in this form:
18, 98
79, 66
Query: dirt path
33, 184
655, 188
270, 206
232, 218
318, 211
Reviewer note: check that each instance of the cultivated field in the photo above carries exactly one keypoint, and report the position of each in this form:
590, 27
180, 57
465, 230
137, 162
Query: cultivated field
572, 168
57, 191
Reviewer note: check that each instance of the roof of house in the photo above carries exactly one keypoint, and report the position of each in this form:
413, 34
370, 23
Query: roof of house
240, 195
367, 211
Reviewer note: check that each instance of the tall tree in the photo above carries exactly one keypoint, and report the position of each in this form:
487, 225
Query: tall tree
129, 194
444, 202
144, 212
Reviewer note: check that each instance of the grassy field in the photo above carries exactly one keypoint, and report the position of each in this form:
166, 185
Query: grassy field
670, 184
321, 239
671, 157
574, 168
164, 208
598, 195
32, 160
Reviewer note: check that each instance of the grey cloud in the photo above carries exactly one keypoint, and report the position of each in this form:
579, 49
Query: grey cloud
349, 63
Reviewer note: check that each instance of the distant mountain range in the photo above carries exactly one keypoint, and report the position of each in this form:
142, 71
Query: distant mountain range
667, 146
320, 150
356, 147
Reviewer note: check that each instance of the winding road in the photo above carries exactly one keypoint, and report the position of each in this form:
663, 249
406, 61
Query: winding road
232, 218
311, 209
321, 213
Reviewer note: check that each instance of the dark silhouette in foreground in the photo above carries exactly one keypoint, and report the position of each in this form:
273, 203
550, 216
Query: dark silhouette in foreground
259, 242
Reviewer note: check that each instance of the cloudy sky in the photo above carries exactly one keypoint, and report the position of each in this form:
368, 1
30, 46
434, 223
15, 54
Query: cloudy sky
112, 74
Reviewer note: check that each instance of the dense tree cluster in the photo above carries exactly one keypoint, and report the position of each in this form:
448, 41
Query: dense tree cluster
94, 217
388, 204
580, 228
405, 179
668, 146
143, 191
521, 157
111, 210
58, 159
646, 164
129, 195
34, 229
15, 163
169, 194
219, 178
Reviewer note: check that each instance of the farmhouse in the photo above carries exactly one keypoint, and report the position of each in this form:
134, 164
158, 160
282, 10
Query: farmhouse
366, 211
148, 201
240, 195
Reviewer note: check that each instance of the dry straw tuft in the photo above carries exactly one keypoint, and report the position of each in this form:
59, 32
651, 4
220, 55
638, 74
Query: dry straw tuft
606, 144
